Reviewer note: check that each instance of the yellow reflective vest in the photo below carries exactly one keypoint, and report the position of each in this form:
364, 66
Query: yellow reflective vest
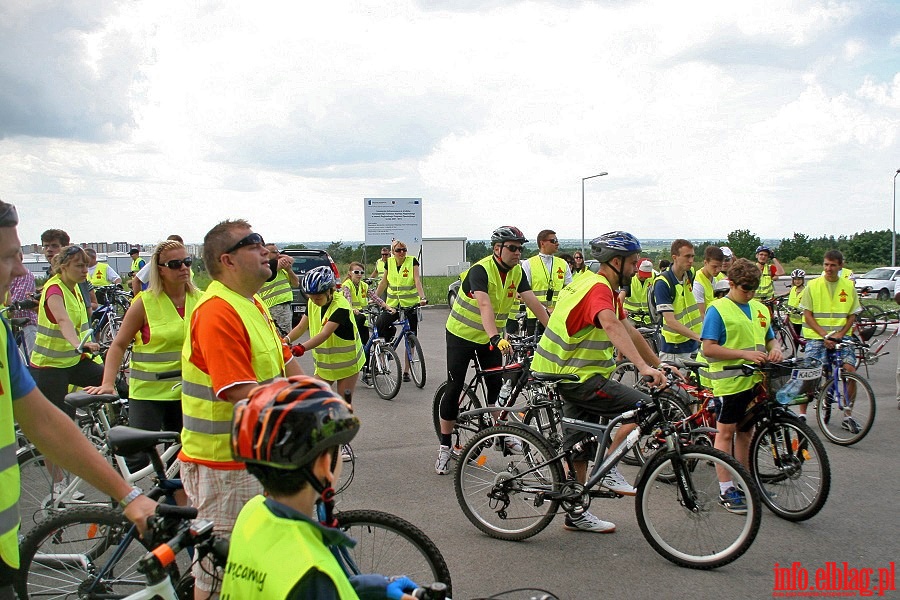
401, 287
100, 277
636, 300
465, 317
269, 555
766, 288
278, 291
359, 294
708, 295
335, 358
829, 311
51, 349
686, 311
542, 281
207, 419
794, 302
587, 352
741, 333
163, 351
9, 468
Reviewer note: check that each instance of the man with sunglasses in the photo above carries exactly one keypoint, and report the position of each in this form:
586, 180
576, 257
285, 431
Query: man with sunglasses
57, 437
276, 293
381, 265
487, 294
233, 345
736, 330
546, 274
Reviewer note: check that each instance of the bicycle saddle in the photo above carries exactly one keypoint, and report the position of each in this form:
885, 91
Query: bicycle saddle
128, 440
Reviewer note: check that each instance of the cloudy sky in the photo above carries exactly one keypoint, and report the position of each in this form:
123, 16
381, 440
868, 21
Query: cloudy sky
133, 120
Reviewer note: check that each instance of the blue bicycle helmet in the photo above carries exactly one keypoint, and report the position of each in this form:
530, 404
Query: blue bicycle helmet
614, 243
763, 249
508, 233
318, 280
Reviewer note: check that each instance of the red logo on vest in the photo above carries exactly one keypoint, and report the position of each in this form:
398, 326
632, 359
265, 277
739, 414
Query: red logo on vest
842, 296
405, 273
560, 274
510, 290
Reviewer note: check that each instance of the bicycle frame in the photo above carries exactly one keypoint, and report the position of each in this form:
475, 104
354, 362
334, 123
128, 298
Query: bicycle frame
403, 324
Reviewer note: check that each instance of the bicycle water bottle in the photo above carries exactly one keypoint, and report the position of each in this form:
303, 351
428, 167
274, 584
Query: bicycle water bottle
787, 394
505, 393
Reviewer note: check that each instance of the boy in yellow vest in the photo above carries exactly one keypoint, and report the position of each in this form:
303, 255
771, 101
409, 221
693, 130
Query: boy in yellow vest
288, 433
736, 330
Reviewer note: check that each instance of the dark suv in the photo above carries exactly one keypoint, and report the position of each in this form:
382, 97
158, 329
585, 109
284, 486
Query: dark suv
304, 260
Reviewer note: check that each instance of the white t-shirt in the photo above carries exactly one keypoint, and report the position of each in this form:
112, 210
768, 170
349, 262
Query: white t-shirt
144, 274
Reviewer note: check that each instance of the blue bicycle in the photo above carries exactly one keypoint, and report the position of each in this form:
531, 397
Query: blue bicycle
415, 358
845, 405
383, 365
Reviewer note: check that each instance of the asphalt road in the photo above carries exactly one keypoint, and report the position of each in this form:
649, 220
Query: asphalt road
396, 450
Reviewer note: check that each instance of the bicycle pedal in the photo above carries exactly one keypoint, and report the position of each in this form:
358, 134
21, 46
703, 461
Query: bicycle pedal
604, 493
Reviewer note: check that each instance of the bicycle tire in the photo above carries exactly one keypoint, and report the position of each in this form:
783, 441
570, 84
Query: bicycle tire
384, 368
390, 545
507, 511
828, 415
416, 360
871, 321
789, 464
674, 410
464, 428
710, 536
786, 341
64, 555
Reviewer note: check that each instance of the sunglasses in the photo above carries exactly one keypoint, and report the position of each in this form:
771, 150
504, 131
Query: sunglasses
513, 248
399, 250
385, 254
748, 288
553, 241
578, 258
176, 264
357, 272
9, 217
71, 251
254, 239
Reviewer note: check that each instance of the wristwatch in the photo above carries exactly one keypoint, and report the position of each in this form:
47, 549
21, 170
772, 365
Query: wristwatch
128, 499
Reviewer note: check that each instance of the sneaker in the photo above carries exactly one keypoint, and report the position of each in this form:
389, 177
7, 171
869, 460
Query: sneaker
851, 425
60, 487
367, 379
513, 445
346, 453
615, 482
802, 417
442, 464
733, 501
588, 522
406, 377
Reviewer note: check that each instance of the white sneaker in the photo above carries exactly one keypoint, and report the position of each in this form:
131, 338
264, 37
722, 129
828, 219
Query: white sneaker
513, 445
588, 522
60, 486
346, 453
615, 482
442, 464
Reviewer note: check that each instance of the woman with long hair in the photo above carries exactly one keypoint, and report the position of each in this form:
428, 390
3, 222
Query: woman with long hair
156, 324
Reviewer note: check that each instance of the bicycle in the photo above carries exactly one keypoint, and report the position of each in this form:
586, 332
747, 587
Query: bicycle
415, 358
105, 320
847, 392
515, 496
17, 325
384, 365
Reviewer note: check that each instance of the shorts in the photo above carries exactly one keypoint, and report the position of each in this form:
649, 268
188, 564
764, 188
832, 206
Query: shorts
592, 400
816, 349
218, 495
731, 409
282, 315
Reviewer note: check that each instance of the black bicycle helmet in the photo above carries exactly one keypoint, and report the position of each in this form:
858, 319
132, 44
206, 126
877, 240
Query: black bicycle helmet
508, 233
318, 280
287, 423
614, 243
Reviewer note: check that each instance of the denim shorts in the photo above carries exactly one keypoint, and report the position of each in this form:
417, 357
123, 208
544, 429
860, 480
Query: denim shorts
816, 349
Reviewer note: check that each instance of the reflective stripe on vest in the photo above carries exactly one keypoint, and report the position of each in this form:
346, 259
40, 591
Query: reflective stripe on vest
335, 358
163, 351
51, 349
9, 468
465, 317
741, 333
401, 288
359, 294
830, 312
636, 300
261, 541
686, 312
541, 283
586, 353
207, 419
766, 288
278, 291
794, 302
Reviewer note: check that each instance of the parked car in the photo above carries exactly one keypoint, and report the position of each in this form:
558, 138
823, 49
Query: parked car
881, 281
452, 291
304, 260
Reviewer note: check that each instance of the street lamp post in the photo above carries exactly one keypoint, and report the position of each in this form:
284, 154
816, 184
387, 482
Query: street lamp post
893, 223
583, 179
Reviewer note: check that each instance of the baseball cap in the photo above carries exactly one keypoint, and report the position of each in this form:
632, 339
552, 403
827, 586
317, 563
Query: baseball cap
134, 251
645, 269
727, 252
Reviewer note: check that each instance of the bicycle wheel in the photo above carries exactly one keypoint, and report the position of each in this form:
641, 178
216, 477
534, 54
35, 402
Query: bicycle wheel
674, 411
789, 464
542, 414
416, 360
626, 374
466, 426
494, 493
389, 545
786, 341
708, 536
845, 412
871, 321
385, 371
68, 556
